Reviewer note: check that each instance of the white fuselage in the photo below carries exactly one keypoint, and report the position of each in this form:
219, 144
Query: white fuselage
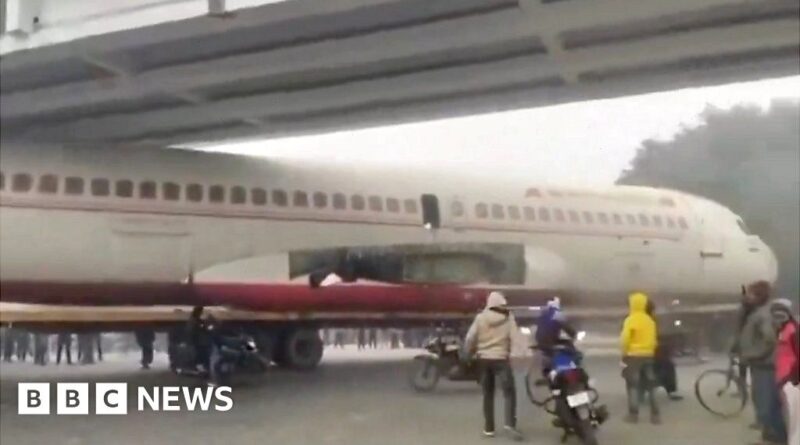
133, 216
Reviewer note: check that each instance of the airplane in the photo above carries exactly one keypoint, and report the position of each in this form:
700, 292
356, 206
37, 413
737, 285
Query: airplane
95, 226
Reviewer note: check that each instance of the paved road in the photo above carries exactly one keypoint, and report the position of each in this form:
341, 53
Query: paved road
353, 399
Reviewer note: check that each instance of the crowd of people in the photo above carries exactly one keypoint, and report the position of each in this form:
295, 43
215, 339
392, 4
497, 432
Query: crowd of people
766, 345
374, 338
18, 345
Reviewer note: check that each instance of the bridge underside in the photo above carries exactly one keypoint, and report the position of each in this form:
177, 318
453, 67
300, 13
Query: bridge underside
299, 66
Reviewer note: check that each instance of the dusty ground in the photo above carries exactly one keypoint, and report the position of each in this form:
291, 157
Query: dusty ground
355, 398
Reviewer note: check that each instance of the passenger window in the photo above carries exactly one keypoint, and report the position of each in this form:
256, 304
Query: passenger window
513, 213
320, 200
216, 193
124, 188
238, 195
339, 201
100, 187
498, 212
618, 219
481, 210
644, 220
2, 181
300, 199
657, 221
194, 192
357, 202
530, 213
574, 217
670, 222
393, 205
171, 191
280, 198
682, 223
666, 201
73, 185
458, 209
376, 203
602, 217
21, 182
558, 215
544, 214
48, 184
258, 196
410, 206
588, 218
147, 190
631, 219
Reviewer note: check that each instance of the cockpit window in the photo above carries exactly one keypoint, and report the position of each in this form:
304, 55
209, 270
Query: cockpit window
743, 226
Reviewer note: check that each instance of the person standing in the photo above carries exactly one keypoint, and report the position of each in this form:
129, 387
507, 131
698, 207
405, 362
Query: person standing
490, 339
338, 338
373, 338
745, 309
757, 350
86, 349
361, 338
9, 341
99, 341
64, 343
23, 345
663, 364
639, 341
787, 365
145, 339
40, 349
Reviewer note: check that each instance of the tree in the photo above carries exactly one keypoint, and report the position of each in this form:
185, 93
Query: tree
746, 159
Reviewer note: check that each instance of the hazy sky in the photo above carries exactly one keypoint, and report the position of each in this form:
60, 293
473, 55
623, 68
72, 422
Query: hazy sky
586, 142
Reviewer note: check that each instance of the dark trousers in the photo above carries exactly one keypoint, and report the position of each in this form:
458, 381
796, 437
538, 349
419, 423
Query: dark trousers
640, 378
766, 398
491, 370
65, 346
666, 375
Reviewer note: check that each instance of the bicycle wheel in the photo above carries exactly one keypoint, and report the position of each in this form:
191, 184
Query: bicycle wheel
536, 387
720, 394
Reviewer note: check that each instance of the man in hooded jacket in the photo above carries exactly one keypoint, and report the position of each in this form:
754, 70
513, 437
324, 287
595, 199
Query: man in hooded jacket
490, 339
639, 341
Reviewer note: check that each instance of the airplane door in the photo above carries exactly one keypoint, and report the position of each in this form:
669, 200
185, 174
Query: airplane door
431, 214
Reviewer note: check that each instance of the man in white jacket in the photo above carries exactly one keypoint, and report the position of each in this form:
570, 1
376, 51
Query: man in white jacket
490, 339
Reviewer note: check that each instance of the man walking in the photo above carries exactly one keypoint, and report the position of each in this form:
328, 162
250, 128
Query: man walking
638, 338
757, 343
145, 339
490, 339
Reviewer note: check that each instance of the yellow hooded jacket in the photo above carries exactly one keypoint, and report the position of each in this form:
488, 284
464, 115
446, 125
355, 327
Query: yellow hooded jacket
638, 337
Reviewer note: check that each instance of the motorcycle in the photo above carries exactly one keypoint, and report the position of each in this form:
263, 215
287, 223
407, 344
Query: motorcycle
442, 359
237, 352
572, 398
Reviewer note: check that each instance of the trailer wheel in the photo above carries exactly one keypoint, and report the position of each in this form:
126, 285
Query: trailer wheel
299, 349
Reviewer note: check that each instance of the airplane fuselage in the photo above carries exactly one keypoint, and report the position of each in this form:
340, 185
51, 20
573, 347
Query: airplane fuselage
131, 226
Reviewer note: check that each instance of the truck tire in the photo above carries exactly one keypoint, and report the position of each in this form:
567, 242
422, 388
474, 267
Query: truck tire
299, 349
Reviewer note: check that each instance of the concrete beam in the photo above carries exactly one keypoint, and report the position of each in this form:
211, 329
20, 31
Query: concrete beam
639, 54
326, 55
447, 81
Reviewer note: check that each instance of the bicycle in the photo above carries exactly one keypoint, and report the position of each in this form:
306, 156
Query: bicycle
723, 392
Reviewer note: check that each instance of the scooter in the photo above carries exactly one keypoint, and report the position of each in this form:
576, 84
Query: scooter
572, 398
236, 353
442, 359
